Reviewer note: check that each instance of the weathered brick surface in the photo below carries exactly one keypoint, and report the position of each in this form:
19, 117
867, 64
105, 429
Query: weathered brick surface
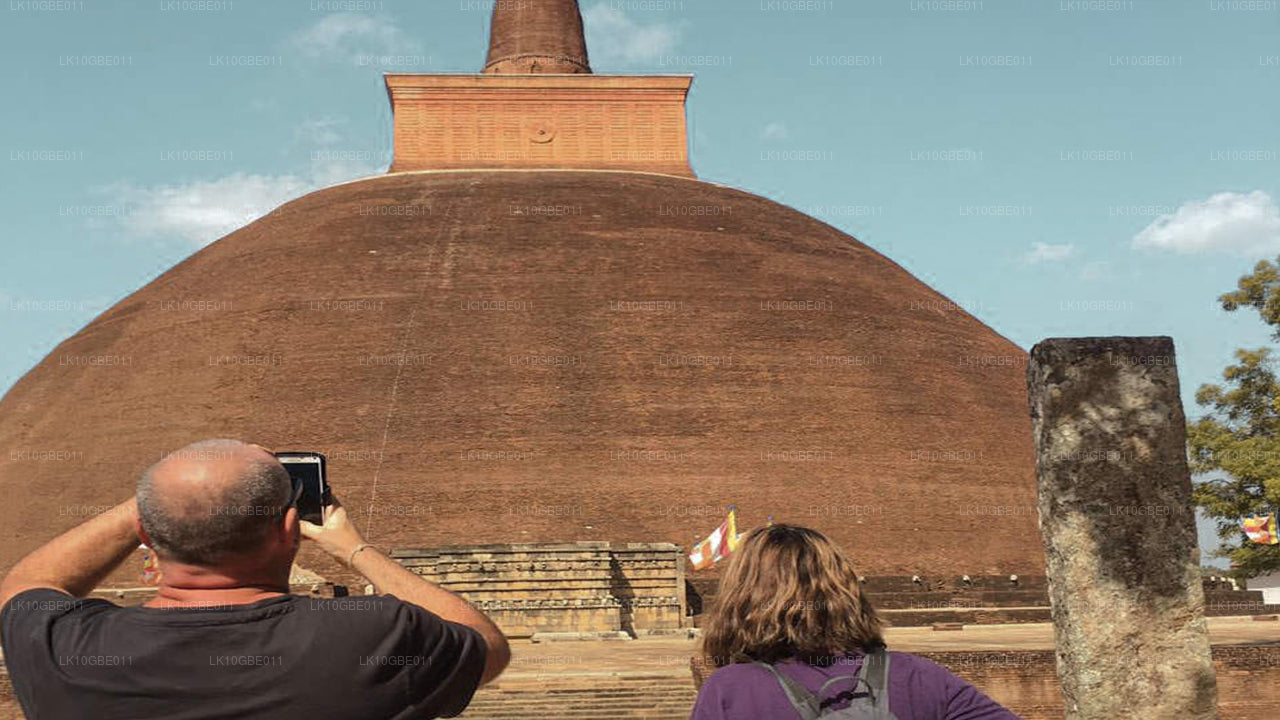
536, 37
583, 122
384, 367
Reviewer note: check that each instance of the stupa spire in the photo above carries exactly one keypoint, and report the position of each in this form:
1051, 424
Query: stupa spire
536, 37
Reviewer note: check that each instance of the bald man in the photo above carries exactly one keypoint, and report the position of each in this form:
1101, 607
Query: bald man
223, 638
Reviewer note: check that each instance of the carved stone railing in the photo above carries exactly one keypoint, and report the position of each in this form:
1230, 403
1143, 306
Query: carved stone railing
588, 588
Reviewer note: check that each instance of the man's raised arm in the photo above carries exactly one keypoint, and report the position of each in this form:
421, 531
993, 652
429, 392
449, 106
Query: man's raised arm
78, 560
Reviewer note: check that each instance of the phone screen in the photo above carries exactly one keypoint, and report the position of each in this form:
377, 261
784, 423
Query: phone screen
307, 469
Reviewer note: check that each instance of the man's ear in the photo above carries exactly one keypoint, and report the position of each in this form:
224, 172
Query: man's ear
292, 529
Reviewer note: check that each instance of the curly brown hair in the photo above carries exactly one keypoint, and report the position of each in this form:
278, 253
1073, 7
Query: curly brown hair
789, 592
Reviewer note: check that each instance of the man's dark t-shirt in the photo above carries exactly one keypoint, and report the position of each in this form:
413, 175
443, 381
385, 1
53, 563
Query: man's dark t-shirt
369, 657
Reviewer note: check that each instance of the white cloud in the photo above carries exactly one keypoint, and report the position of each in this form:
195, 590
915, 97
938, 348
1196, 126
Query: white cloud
1226, 222
320, 131
775, 131
1097, 270
614, 38
351, 36
202, 211
1045, 252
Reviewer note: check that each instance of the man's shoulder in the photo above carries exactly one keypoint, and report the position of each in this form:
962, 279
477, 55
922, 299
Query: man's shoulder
372, 611
740, 676
362, 605
52, 602
351, 604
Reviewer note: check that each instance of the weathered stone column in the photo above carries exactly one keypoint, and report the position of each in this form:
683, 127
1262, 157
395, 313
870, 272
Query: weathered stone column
1119, 530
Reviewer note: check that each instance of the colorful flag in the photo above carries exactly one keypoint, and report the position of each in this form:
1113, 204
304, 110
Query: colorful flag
1262, 529
719, 544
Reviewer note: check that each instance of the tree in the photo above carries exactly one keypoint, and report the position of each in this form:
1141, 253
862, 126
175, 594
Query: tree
1238, 441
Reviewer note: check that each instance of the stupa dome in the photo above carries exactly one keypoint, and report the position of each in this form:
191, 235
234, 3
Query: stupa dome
544, 356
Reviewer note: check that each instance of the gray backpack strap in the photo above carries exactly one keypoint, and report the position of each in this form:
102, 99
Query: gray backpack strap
836, 679
798, 695
876, 669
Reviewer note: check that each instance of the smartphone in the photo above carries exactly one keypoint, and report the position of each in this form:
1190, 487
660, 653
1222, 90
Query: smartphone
307, 469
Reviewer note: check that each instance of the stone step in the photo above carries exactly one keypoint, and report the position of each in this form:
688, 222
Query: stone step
967, 616
624, 686
703, 589
951, 599
1014, 615
585, 697
923, 617
1230, 594
1226, 599
1229, 608
904, 583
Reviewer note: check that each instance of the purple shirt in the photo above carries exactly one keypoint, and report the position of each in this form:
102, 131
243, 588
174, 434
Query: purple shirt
918, 690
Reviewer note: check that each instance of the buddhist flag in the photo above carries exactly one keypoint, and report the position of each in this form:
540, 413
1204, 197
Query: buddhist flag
1262, 529
719, 544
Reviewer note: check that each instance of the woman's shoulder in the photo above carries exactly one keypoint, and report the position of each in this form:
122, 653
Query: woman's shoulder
905, 669
737, 672
914, 662
901, 663
898, 662
740, 691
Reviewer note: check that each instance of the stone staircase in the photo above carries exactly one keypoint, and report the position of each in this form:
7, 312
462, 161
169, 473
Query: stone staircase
585, 696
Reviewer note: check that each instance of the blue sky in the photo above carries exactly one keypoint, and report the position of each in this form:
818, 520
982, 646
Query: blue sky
1059, 167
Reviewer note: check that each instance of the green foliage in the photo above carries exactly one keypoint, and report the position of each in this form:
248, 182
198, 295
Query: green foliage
1238, 441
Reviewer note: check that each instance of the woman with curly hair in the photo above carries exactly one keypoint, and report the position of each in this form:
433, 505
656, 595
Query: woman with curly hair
791, 635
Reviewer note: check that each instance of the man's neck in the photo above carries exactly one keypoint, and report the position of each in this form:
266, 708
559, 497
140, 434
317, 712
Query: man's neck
168, 597
193, 586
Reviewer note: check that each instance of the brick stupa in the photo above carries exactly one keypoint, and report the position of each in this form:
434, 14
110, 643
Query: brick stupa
530, 331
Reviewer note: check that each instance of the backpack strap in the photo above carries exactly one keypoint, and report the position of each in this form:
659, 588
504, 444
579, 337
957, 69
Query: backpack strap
874, 675
857, 681
798, 695
875, 670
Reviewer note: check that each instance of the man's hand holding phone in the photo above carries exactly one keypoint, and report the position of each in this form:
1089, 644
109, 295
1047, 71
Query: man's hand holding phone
320, 515
337, 535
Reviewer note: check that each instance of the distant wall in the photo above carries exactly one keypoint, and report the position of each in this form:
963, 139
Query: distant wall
1269, 585
1026, 681
584, 587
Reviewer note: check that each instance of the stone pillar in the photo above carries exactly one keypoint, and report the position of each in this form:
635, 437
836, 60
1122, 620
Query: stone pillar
1119, 530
